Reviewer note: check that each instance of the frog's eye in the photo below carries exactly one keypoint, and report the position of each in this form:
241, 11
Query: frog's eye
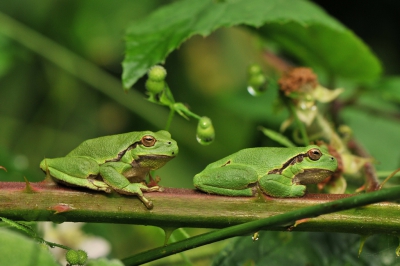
148, 141
314, 154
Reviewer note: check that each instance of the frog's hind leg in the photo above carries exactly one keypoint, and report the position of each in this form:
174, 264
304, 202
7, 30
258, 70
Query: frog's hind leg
228, 180
75, 171
111, 173
280, 186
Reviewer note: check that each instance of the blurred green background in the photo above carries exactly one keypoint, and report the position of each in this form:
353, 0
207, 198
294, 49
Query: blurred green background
46, 111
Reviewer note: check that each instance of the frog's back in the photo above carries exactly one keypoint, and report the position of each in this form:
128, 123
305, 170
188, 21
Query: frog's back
262, 157
106, 147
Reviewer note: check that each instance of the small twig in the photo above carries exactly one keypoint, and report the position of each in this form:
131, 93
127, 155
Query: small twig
388, 178
299, 124
372, 181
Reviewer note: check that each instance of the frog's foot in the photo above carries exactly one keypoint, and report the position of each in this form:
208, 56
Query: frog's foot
148, 203
152, 189
136, 189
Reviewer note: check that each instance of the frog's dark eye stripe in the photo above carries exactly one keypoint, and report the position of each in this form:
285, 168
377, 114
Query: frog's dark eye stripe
314, 154
296, 159
148, 141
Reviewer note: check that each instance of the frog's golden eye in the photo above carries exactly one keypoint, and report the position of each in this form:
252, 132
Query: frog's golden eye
148, 141
314, 154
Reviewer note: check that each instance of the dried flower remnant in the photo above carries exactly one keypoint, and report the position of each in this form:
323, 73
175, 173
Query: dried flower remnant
301, 85
301, 79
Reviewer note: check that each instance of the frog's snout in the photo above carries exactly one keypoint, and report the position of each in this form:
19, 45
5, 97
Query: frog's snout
334, 161
173, 146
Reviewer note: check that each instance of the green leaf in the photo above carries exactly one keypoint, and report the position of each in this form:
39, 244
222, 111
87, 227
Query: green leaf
389, 86
319, 45
300, 27
23, 227
278, 137
20, 250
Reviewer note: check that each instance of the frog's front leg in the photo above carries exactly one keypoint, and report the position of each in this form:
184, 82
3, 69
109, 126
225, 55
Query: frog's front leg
112, 174
228, 180
75, 171
279, 186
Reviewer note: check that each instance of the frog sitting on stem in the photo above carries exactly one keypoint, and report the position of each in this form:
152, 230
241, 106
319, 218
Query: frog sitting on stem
278, 172
118, 162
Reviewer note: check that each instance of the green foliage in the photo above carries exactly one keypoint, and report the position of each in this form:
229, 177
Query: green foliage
104, 262
59, 78
390, 88
299, 27
281, 139
285, 248
23, 251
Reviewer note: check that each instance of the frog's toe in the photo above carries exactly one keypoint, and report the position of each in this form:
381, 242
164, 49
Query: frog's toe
151, 189
148, 203
155, 188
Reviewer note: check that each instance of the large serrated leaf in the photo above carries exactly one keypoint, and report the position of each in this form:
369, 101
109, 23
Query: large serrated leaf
300, 27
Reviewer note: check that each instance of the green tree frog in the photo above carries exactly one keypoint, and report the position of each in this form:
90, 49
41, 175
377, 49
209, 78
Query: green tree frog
278, 172
118, 162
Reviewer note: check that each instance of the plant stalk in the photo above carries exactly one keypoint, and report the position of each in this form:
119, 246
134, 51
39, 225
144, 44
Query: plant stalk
283, 220
175, 208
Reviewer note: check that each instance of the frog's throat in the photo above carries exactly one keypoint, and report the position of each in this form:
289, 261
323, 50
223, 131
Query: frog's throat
151, 161
296, 159
311, 176
154, 157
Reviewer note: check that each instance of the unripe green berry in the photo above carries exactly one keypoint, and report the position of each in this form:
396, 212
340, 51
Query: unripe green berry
157, 73
76, 257
254, 69
82, 257
204, 122
205, 131
256, 80
72, 257
154, 86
